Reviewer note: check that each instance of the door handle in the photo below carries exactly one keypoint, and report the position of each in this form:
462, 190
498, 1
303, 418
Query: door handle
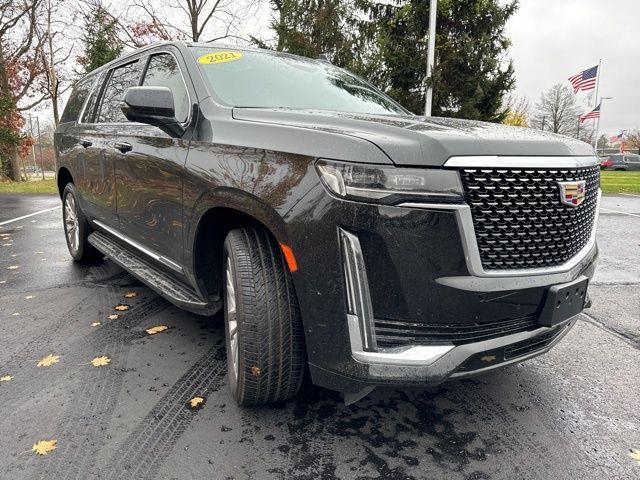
124, 147
85, 143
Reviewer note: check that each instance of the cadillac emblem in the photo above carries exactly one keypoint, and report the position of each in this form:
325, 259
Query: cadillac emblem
573, 193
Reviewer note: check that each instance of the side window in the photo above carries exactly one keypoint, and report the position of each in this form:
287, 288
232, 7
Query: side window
76, 100
120, 79
163, 71
90, 107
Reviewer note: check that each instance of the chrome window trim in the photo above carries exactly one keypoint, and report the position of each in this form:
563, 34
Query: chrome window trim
470, 244
360, 321
96, 84
147, 251
495, 161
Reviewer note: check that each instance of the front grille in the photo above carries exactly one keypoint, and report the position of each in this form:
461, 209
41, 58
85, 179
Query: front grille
519, 219
394, 333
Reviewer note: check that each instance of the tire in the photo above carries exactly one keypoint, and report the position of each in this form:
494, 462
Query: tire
265, 342
76, 228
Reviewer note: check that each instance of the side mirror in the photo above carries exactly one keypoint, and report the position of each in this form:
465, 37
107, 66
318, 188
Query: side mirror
153, 106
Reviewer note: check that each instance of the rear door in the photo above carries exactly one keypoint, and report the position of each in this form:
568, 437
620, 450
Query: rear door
150, 165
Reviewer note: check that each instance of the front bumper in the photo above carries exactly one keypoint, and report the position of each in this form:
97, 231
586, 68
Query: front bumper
410, 263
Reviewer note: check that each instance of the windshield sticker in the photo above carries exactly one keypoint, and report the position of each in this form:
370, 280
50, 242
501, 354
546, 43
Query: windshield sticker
219, 57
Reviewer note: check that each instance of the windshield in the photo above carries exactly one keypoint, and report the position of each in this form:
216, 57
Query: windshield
264, 80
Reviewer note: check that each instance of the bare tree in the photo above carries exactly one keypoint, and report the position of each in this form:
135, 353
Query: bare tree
195, 20
557, 111
52, 54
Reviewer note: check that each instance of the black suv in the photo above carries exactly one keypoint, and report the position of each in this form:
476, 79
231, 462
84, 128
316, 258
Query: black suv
339, 232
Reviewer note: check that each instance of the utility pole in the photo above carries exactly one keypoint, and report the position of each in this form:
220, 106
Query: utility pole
544, 120
602, 99
433, 10
33, 146
40, 146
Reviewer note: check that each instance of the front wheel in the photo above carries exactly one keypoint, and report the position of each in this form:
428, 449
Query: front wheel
76, 228
265, 341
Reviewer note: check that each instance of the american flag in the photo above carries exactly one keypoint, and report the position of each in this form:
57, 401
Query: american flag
585, 80
616, 138
595, 113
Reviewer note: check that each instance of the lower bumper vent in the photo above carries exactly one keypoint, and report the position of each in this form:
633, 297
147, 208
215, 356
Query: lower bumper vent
393, 333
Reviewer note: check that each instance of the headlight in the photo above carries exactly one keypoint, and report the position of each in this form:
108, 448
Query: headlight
390, 185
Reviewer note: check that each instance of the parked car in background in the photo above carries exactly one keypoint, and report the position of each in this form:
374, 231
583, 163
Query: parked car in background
621, 161
340, 234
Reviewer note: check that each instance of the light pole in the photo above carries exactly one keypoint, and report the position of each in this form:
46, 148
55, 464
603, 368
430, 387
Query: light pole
433, 10
602, 99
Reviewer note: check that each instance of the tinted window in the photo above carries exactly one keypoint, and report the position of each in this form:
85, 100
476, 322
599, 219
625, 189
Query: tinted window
120, 79
163, 71
77, 99
89, 109
256, 79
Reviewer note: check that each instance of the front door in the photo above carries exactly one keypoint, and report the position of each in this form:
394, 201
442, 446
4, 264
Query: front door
149, 170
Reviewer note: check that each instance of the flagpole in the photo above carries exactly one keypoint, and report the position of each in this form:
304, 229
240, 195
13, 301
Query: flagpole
596, 103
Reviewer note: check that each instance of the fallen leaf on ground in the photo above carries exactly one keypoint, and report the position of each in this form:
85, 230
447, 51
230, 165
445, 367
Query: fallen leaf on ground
95, 324
113, 316
38, 252
121, 308
7, 244
154, 330
635, 454
49, 360
13, 267
29, 297
196, 402
6, 378
14, 255
43, 447
100, 361
130, 294
255, 371
3, 281
15, 314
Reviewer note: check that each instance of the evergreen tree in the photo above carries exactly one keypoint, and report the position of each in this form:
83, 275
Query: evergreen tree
386, 42
101, 43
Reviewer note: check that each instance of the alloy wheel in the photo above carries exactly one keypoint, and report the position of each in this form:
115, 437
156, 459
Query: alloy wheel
232, 319
71, 223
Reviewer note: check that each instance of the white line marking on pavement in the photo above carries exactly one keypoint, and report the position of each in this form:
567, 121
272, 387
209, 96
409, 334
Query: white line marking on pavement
630, 195
30, 215
618, 211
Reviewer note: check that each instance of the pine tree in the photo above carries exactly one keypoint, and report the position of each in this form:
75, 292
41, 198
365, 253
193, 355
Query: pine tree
101, 43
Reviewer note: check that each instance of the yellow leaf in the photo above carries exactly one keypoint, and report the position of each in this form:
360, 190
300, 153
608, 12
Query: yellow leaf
100, 361
95, 324
130, 295
13, 267
43, 447
28, 297
121, 308
6, 378
114, 316
154, 330
635, 454
49, 360
196, 402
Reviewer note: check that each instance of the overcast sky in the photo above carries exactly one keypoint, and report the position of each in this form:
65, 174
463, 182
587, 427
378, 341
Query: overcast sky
554, 39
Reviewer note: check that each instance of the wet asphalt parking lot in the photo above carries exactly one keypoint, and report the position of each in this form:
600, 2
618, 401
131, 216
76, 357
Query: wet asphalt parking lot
571, 414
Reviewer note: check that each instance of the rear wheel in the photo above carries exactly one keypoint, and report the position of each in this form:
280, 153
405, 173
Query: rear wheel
265, 342
76, 228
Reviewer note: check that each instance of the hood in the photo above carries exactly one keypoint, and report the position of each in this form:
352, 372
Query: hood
425, 141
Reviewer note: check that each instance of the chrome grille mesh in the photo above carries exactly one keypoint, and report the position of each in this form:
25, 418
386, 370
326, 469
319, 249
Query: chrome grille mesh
519, 220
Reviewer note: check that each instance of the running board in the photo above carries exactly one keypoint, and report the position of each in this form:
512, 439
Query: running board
173, 290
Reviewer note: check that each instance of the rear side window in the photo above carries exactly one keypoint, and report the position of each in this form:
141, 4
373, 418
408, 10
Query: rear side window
76, 100
163, 71
120, 79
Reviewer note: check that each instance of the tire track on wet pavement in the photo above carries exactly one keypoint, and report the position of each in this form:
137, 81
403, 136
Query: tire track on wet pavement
142, 453
81, 429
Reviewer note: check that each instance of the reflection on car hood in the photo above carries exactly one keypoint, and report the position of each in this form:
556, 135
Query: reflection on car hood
428, 141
